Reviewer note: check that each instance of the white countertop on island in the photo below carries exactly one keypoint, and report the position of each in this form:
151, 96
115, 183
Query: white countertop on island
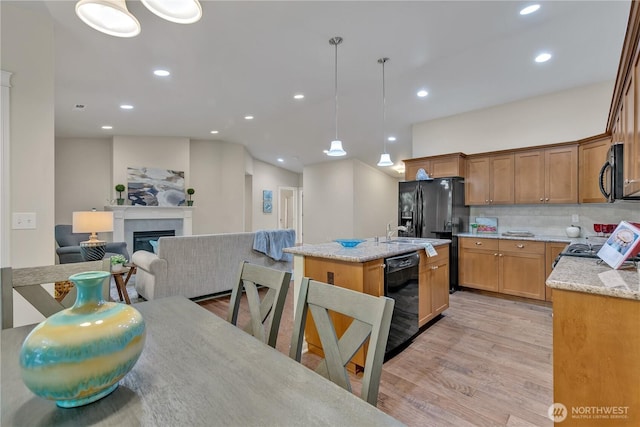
365, 251
590, 276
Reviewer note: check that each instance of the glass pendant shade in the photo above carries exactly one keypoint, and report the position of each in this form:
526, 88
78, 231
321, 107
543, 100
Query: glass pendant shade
178, 11
385, 160
109, 17
336, 149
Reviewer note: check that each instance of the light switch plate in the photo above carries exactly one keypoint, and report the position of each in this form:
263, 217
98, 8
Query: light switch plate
23, 220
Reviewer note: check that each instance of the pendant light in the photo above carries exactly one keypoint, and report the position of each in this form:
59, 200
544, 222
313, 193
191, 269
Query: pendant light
385, 158
336, 145
180, 12
109, 17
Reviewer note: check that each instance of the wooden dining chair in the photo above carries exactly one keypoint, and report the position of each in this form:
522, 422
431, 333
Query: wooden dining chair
264, 314
371, 321
28, 282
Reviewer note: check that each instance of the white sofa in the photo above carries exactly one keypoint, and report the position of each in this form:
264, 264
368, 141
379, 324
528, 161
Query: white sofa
197, 266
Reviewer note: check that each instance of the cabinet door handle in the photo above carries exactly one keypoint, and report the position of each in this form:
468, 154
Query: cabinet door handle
520, 246
500, 255
491, 201
479, 243
546, 200
434, 267
541, 199
487, 200
496, 254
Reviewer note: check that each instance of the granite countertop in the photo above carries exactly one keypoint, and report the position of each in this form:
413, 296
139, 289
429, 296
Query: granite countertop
589, 276
365, 251
537, 237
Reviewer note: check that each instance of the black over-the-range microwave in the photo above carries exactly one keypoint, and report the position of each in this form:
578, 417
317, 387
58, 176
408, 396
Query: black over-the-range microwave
612, 175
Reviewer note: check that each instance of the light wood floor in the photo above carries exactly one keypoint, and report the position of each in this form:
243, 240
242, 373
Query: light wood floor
486, 362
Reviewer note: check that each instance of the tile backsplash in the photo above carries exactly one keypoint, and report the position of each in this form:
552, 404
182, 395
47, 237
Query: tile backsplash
554, 219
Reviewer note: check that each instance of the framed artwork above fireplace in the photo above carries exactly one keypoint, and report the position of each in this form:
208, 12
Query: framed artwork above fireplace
155, 187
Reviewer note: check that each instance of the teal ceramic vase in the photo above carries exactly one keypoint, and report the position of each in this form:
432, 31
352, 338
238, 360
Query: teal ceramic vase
78, 355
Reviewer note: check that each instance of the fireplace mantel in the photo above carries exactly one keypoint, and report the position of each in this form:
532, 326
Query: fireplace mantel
124, 213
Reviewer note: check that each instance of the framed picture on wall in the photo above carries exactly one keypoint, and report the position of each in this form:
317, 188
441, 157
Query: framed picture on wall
267, 201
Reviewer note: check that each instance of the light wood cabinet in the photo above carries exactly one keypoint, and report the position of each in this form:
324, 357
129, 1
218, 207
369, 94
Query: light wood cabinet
596, 344
552, 250
522, 268
490, 180
547, 175
433, 285
514, 267
478, 263
445, 166
367, 277
591, 157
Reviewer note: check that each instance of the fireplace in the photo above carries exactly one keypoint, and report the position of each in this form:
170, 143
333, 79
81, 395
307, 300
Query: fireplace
141, 238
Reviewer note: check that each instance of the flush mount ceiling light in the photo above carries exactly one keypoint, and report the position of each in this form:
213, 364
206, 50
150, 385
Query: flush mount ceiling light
529, 9
108, 16
385, 158
543, 57
178, 11
336, 145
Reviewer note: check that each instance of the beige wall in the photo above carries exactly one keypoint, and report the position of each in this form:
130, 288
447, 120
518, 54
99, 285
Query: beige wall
269, 177
31, 139
345, 199
83, 176
559, 117
216, 170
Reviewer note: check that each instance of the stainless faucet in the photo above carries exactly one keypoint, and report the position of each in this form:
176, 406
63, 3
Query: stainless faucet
390, 231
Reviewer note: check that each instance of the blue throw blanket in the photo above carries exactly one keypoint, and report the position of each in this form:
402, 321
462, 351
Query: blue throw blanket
272, 242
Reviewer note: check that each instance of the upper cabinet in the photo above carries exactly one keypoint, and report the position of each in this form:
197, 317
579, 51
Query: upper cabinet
489, 180
591, 157
446, 166
624, 114
547, 175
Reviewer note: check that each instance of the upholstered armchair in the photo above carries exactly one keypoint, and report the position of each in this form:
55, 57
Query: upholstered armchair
69, 245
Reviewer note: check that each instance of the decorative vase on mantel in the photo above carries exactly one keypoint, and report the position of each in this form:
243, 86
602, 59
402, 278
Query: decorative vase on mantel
78, 355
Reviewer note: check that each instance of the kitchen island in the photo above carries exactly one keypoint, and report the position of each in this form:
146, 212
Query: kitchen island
596, 343
362, 269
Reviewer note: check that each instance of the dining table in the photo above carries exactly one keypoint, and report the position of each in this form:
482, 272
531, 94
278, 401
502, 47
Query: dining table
196, 369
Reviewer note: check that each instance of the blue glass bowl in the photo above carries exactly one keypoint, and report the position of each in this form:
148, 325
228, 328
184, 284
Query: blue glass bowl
349, 243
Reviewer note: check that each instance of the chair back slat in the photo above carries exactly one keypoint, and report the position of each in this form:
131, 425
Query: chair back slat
371, 322
28, 282
264, 314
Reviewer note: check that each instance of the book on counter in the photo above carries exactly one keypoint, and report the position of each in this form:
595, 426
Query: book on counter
623, 244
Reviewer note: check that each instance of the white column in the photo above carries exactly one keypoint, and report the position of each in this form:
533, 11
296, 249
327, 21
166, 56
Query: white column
5, 187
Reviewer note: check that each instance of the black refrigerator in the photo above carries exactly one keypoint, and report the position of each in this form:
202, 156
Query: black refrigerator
435, 209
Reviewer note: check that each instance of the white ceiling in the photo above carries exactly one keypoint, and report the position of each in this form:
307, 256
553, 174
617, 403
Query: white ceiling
251, 58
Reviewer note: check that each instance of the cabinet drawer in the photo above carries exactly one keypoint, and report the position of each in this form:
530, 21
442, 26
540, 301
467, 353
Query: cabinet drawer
479, 243
526, 246
443, 256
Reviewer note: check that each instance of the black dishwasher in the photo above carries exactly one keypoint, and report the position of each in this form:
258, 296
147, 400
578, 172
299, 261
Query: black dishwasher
401, 284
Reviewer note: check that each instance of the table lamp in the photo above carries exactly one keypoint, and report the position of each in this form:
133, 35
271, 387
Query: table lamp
92, 222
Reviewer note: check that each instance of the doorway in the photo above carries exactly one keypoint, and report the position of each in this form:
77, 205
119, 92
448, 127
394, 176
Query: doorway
288, 210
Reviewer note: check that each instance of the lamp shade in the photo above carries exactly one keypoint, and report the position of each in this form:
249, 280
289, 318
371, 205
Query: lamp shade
108, 16
385, 160
92, 222
336, 149
178, 11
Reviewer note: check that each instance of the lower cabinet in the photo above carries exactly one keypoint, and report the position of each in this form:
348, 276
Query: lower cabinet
552, 250
433, 293
514, 267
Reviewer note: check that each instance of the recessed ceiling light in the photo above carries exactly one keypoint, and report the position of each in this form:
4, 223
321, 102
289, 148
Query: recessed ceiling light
214, 131
280, 159
248, 117
422, 93
126, 107
107, 127
543, 57
298, 96
161, 73
391, 138
529, 9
